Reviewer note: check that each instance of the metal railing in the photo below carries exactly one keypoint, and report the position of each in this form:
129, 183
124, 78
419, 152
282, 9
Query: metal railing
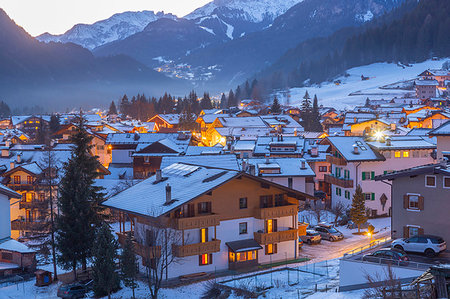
398, 263
373, 244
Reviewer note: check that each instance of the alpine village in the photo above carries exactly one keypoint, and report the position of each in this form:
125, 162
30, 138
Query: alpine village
250, 149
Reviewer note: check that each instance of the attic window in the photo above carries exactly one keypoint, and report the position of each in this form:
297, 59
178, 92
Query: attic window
265, 185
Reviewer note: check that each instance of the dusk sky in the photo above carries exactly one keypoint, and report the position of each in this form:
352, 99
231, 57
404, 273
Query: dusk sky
57, 16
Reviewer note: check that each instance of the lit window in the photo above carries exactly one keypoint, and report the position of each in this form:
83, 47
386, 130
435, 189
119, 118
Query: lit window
430, 181
406, 154
232, 257
271, 249
204, 235
205, 259
397, 154
270, 226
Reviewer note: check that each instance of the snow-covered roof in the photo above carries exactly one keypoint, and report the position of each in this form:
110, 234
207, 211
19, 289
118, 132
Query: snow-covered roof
426, 83
187, 182
136, 138
8, 192
244, 133
172, 119
290, 167
15, 246
204, 150
217, 161
244, 145
443, 129
264, 144
419, 132
345, 146
404, 142
244, 122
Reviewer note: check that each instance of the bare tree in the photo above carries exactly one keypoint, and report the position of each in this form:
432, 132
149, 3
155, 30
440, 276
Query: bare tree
159, 250
338, 210
317, 209
50, 165
385, 286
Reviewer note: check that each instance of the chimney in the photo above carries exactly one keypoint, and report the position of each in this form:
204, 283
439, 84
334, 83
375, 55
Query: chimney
19, 158
136, 136
252, 169
388, 141
303, 164
5, 152
281, 137
267, 158
314, 151
8, 143
168, 193
355, 149
393, 127
11, 165
158, 175
244, 166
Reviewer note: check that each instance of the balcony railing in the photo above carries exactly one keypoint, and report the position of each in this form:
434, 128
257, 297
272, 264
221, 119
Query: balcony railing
276, 212
147, 252
336, 161
34, 204
276, 237
341, 182
30, 225
22, 187
200, 221
196, 249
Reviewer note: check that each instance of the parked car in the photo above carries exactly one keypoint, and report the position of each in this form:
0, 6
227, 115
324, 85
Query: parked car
387, 255
72, 291
430, 245
311, 237
329, 232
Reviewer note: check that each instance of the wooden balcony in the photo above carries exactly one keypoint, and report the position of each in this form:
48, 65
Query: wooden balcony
196, 249
147, 252
34, 204
22, 187
276, 237
344, 183
201, 221
336, 161
41, 226
276, 212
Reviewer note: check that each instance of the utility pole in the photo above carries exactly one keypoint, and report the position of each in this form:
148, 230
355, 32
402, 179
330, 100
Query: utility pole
52, 222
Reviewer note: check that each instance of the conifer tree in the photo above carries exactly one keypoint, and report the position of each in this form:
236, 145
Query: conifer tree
316, 126
112, 108
205, 103
223, 102
358, 208
238, 94
231, 99
276, 108
106, 280
78, 204
129, 264
306, 112
5, 111
54, 123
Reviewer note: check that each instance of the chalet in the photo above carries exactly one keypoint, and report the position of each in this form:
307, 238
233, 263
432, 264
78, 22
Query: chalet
168, 121
356, 161
367, 127
420, 200
440, 76
29, 124
219, 219
15, 257
425, 89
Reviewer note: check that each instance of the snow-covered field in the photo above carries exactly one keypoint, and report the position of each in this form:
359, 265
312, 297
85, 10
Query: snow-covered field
353, 91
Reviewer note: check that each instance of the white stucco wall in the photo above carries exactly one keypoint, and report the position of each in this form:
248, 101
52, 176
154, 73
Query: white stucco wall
5, 224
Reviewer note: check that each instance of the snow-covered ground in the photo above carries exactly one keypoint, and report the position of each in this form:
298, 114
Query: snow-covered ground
322, 257
353, 91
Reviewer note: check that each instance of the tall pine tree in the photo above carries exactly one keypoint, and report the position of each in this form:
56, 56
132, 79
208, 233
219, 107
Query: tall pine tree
106, 279
306, 112
79, 203
358, 209
276, 108
112, 108
316, 126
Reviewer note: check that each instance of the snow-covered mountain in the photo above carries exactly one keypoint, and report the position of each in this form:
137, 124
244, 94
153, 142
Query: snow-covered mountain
117, 27
255, 11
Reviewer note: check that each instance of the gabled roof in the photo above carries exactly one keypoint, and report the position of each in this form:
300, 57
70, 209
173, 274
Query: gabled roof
187, 182
8, 192
404, 142
443, 169
217, 161
345, 146
31, 168
290, 167
442, 130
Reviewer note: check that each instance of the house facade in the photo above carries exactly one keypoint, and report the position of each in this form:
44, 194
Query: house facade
356, 161
223, 219
420, 200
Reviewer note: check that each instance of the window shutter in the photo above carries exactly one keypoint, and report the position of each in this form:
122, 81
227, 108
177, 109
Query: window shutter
420, 231
275, 225
265, 249
405, 232
210, 258
199, 208
421, 203
373, 196
363, 176
372, 175
405, 201
209, 207
275, 248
